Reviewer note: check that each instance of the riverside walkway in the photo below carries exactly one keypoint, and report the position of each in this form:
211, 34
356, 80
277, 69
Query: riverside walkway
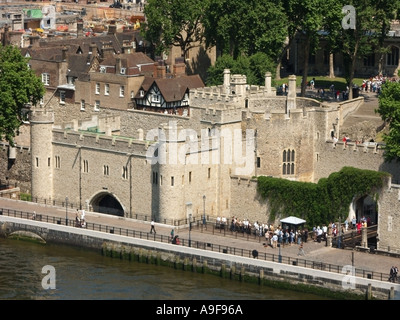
317, 255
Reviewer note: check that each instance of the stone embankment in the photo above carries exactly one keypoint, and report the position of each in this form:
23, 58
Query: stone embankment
197, 260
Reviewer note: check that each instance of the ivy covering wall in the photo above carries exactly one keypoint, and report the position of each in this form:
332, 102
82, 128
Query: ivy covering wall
322, 202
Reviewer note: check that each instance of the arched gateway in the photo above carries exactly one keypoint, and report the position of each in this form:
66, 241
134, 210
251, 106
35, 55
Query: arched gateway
364, 207
106, 202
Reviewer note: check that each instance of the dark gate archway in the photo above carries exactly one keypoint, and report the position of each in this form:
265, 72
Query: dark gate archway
366, 208
106, 203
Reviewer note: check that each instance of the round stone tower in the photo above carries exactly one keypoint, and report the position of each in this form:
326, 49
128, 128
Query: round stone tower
41, 124
171, 171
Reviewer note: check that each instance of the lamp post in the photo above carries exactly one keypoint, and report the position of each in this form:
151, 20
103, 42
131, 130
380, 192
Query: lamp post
279, 255
66, 211
204, 209
340, 234
190, 228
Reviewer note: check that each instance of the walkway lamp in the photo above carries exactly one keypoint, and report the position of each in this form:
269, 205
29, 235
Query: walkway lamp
204, 209
340, 234
279, 255
66, 211
190, 229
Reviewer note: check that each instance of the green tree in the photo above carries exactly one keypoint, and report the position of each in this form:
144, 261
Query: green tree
386, 13
174, 23
389, 110
332, 26
372, 23
215, 73
306, 18
238, 27
19, 87
254, 67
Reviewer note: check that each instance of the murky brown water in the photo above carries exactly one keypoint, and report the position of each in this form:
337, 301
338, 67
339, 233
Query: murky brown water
87, 275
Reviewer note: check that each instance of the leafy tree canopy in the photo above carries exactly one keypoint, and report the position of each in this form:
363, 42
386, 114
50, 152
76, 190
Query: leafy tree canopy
246, 27
389, 110
19, 86
372, 23
254, 67
174, 23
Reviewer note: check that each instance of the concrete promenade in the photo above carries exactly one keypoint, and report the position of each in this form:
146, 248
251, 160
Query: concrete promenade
317, 252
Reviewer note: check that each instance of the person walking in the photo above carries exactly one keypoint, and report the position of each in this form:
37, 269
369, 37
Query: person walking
301, 250
152, 227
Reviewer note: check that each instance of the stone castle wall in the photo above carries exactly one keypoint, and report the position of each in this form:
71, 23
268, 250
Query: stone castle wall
16, 172
330, 159
389, 220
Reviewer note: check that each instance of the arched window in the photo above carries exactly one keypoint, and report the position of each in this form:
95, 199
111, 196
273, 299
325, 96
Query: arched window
392, 56
288, 162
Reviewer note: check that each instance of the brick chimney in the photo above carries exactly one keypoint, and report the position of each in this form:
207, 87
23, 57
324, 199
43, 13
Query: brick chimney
179, 68
34, 41
118, 64
112, 28
64, 53
108, 49
161, 70
93, 49
79, 29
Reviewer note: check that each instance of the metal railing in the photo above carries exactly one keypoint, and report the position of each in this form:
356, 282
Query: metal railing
358, 272
137, 216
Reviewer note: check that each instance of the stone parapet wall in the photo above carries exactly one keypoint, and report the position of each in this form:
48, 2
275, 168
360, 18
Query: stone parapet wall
347, 107
333, 159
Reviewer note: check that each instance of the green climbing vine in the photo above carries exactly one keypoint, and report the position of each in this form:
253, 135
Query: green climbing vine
321, 202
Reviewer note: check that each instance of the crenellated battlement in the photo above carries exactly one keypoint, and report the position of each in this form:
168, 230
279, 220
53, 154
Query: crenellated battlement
41, 115
100, 141
209, 95
100, 124
354, 148
234, 90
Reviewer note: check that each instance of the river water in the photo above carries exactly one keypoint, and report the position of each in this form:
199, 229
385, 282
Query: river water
80, 274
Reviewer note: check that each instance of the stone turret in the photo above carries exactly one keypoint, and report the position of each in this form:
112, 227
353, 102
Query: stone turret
227, 81
268, 89
291, 97
167, 172
41, 124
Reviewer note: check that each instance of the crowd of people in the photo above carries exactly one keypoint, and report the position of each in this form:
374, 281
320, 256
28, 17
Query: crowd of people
289, 235
374, 84
273, 235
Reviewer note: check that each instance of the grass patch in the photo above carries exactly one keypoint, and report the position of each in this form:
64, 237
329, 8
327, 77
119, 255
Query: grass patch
25, 196
323, 82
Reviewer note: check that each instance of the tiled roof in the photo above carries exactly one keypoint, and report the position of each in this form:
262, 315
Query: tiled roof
128, 60
44, 54
173, 89
77, 65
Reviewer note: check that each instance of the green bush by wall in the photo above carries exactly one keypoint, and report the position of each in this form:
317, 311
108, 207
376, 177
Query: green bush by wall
321, 202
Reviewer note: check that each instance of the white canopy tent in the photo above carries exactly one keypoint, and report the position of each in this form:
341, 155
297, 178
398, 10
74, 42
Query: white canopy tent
293, 220
292, 223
